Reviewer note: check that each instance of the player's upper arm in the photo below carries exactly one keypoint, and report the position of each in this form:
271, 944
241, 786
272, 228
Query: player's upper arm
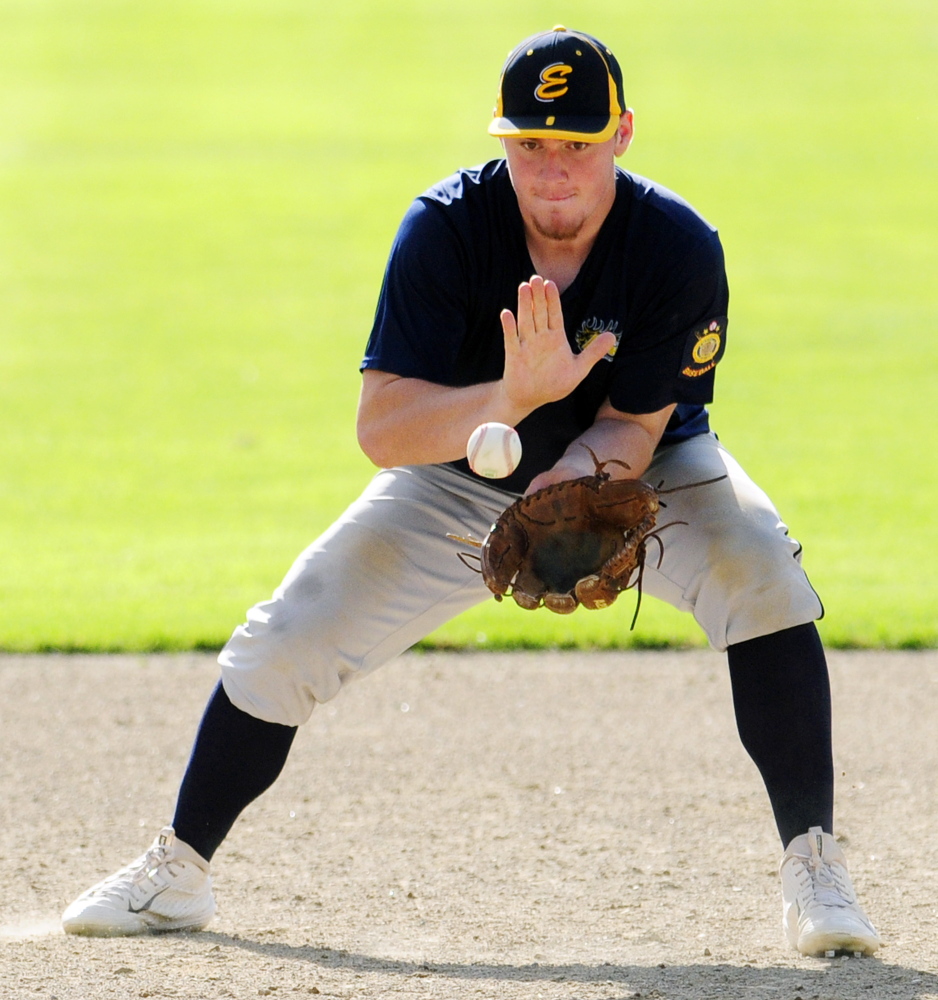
420, 317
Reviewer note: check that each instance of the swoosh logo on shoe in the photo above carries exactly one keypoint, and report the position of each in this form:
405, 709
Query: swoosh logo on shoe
149, 902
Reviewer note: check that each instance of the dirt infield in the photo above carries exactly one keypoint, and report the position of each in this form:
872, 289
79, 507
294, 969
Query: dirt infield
557, 826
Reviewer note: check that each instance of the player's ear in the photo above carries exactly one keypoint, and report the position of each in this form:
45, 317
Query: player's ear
626, 132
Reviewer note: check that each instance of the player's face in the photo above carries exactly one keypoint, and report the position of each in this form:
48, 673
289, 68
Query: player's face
565, 188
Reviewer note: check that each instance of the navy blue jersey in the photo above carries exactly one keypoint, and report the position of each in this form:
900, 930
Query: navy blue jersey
654, 277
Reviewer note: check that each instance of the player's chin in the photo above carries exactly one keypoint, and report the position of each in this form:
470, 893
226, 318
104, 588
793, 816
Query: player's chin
555, 228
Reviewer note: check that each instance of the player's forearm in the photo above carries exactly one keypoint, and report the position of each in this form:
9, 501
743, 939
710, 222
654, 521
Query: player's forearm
405, 421
614, 438
625, 441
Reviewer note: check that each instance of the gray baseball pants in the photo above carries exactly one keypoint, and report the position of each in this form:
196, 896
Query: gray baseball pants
385, 575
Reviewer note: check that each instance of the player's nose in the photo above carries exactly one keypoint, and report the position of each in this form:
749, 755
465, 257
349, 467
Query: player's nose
553, 166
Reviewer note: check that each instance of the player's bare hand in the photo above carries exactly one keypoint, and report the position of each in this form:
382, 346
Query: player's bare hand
557, 474
540, 366
576, 463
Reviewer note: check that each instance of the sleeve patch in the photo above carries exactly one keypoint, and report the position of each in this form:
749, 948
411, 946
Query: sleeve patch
704, 348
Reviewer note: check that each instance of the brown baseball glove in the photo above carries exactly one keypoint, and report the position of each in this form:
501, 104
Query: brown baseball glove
581, 541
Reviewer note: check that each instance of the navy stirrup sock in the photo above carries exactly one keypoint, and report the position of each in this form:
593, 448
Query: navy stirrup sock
234, 759
781, 693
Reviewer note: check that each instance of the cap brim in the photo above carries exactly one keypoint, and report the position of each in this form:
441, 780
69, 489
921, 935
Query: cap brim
591, 129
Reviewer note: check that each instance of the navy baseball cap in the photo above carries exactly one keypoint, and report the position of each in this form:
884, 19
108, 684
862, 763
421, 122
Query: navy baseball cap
559, 84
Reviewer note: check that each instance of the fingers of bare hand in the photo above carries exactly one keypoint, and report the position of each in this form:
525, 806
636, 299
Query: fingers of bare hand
554, 309
539, 304
525, 324
509, 326
540, 299
597, 348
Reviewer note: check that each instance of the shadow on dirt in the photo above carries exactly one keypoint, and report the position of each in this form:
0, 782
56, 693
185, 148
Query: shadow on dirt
841, 978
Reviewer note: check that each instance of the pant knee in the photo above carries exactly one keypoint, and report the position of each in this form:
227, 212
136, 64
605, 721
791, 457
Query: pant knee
280, 678
754, 586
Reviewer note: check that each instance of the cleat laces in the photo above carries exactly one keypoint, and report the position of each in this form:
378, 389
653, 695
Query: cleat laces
141, 878
822, 881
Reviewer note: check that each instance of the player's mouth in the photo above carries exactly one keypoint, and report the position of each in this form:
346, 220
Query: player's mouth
557, 198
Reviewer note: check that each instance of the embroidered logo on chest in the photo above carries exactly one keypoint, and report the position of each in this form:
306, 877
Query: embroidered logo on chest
592, 328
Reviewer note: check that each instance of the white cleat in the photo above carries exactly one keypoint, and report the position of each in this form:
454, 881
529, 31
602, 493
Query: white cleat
167, 889
820, 912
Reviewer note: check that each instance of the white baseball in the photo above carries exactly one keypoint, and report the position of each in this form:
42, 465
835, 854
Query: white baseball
494, 450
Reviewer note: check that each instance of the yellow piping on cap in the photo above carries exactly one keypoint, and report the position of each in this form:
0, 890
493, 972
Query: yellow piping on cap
499, 109
552, 133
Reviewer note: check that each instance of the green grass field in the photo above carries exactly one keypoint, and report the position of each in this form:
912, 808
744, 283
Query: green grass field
196, 202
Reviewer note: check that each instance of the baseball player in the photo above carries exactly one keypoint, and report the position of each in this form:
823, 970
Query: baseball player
555, 292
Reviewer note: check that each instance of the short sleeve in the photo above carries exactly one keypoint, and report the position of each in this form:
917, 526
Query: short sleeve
420, 319
677, 334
